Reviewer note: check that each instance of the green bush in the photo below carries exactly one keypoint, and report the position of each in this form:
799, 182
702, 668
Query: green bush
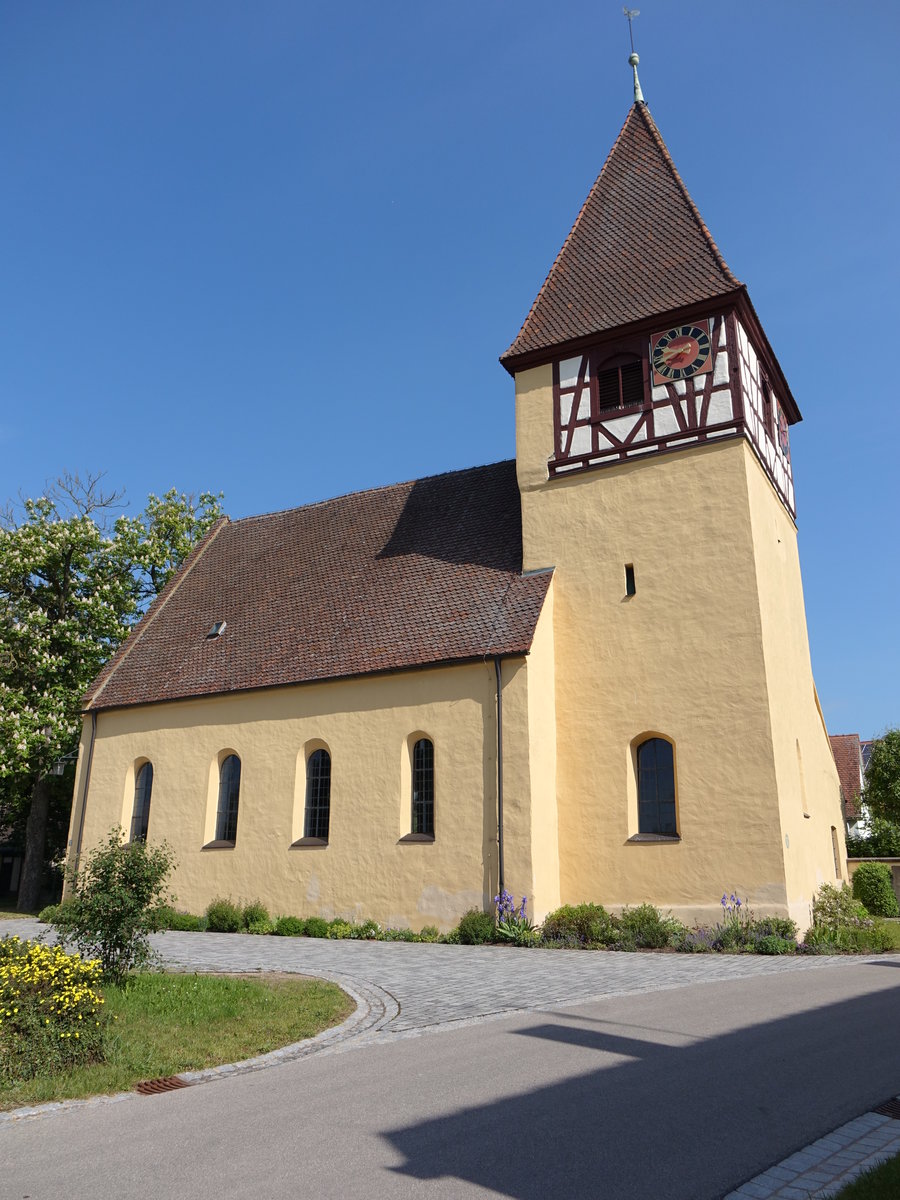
834, 907
166, 917
645, 928
476, 928
48, 915
397, 935
429, 933
261, 927
883, 841
781, 927
254, 913
289, 927
51, 1010
340, 929
579, 925
223, 916
771, 943
872, 887
110, 914
368, 930
869, 937
316, 927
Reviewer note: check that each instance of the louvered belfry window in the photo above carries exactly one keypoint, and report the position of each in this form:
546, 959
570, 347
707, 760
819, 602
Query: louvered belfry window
620, 386
423, 787
229, 793
318, 795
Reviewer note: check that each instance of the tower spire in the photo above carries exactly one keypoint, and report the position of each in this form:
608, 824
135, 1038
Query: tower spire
633, 60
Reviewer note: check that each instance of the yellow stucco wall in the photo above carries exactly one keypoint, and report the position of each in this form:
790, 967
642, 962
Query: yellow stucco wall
368, 726
686, 658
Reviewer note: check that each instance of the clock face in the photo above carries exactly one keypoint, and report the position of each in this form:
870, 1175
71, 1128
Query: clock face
680, 352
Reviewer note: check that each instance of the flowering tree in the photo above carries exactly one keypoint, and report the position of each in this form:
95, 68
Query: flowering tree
73, 581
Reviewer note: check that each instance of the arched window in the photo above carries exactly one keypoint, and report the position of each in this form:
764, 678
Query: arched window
229, 791
423, 787
656, 787
140, 817
318, 795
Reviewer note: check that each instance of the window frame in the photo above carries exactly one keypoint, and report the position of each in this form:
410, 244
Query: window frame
422, 779
143, 794
314, 806
228, 803
655, 830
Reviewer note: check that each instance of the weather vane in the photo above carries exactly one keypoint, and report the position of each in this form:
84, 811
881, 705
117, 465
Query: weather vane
630, 14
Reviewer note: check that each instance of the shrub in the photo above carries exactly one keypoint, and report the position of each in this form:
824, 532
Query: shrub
51, 1015
110, 915
223, 916
451, 938
261, 927
289, 927
883, 841
340, 929
369, 931
771, 943
645, 928
397, 935
782, 927
316, 927
869, 937
49, 914
429, 933
476, 928
579, 925
254, 913
872, 887
166, 917
834, 906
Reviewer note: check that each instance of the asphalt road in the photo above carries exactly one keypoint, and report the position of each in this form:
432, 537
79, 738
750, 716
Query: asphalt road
679, 1094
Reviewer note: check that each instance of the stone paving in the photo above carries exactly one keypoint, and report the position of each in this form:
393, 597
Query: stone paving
405, 989
425, 986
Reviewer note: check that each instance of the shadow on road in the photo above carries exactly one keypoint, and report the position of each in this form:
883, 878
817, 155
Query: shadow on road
654, 1121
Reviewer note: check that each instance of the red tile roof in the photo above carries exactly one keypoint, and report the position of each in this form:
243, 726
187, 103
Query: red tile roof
848, 758
638, 248
411, 575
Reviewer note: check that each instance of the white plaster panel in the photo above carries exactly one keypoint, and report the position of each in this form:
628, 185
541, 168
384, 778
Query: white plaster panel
665, 421
641, 435
698, 406
722, 335
680, 387
660, 392
620, 427
643, 450
567, 467
603, 442
581, 440
686, 411
565, 409
742, 338
584, 407
568, 371
719, 408
720, 371
700, 382
720, 433
681, 441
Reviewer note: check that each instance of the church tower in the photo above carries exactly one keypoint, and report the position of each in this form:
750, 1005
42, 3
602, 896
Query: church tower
654, 466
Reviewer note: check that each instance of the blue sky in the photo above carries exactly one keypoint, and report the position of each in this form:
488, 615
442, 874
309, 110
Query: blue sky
276, 249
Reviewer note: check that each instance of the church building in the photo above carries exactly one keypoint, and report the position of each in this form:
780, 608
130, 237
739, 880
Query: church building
583, 674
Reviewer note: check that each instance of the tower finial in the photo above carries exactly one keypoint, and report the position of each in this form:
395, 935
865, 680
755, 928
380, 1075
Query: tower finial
630, 14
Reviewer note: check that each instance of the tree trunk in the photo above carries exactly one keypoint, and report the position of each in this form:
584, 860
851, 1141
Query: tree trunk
35, 842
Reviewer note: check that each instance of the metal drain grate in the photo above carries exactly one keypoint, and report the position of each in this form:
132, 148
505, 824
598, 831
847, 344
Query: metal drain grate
153, 1087
890, 1108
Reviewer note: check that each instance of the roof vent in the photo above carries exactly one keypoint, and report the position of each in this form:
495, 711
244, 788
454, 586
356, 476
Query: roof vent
217, 630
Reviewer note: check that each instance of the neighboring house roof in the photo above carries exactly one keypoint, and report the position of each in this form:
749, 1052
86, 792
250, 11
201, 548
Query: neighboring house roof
411, 575
638, 247
847, 753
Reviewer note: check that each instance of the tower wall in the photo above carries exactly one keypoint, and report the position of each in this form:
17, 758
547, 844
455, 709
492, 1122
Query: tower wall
684, 658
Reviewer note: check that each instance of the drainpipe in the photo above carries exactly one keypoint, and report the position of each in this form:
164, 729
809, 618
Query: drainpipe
499, 772
84, 794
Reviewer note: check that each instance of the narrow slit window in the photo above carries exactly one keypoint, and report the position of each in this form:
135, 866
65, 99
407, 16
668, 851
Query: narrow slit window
143, 787
229, 793
423, 787
630, 588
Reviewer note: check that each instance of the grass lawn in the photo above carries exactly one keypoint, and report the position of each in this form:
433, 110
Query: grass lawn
892, 925
879, 1183
164, 1024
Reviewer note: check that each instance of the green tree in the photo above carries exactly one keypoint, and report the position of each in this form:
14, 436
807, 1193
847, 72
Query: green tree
881, 793
112, 910
73, 581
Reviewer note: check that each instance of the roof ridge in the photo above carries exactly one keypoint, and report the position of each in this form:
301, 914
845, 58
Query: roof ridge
682, 186
382, 487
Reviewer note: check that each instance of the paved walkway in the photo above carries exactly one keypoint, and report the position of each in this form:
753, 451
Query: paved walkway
403, 990
424, 986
